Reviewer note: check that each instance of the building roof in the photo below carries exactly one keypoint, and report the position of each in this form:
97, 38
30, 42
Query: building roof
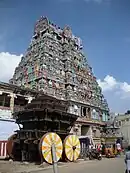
122, 117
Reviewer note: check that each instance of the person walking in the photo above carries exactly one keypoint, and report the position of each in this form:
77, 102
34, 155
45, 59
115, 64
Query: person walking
118, 146
127, 160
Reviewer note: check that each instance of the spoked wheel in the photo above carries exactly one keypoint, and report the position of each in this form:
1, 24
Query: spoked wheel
72, 147
46, 146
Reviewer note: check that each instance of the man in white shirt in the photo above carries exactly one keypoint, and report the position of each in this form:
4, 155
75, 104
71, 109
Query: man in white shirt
118, 146
127, 160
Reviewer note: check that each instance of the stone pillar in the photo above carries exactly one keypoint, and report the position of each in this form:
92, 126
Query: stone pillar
90, 131
89, 112
12, 102
1, 92
76, 130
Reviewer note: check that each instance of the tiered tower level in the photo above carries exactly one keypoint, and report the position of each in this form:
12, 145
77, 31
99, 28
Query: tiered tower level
55, 64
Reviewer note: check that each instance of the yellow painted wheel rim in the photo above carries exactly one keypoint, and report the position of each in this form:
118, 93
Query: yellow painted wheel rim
46, 145
72, 147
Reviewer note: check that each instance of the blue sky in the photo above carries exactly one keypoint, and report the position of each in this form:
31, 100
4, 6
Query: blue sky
103, 25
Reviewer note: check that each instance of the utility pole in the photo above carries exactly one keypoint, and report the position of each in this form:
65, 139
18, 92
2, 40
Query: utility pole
54, 159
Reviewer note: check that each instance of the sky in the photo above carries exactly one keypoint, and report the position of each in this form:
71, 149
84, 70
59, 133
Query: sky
103, 26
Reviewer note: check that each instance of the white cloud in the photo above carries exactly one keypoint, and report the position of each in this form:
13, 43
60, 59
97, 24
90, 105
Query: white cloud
125, 87
8, 62
117, 93
109, 83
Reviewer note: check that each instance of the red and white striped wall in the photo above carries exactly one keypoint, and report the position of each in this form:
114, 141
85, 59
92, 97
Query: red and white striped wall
3, 149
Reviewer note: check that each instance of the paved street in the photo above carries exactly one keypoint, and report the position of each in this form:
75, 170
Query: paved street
104, 166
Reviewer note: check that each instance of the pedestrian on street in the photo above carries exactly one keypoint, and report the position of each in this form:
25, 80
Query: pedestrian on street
118, 146
127, 160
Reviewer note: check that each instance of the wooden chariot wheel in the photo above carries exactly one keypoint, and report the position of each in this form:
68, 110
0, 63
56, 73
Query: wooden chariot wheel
72, 147
46, 146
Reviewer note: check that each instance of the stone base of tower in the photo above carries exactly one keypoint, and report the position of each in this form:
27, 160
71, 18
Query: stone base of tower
88, 129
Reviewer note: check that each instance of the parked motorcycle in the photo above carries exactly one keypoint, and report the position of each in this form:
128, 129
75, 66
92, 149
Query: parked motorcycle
94, 154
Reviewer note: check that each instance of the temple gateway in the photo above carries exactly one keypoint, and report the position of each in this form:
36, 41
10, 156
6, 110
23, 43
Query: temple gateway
54, 64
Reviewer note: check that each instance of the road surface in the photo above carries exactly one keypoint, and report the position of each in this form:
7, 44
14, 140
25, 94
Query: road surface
105, 166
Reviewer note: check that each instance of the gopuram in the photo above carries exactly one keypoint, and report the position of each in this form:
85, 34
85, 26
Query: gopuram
55, 64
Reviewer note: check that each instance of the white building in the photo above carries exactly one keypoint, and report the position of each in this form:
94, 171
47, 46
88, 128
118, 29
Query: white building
123, 121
